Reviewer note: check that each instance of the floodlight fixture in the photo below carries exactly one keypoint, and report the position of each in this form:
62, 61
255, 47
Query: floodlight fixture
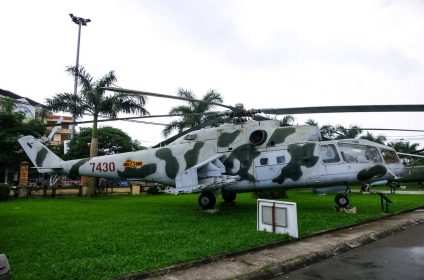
80, 20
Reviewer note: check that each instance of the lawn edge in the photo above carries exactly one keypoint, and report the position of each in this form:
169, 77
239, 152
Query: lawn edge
206, 260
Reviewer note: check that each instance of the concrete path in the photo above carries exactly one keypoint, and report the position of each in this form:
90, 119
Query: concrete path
266, 263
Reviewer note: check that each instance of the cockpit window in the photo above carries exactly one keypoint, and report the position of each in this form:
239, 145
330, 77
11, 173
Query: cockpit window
353, 153
329, 154
389, 156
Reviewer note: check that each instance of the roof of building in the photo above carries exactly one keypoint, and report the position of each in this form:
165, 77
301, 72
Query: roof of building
17, 96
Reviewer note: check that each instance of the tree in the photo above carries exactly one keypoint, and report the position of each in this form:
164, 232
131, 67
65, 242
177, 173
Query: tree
327, 132
12, 126
378, 139
348, 133
287, 120
404, 147
190, 121
111, 141
311, 122
94, 100
407, 148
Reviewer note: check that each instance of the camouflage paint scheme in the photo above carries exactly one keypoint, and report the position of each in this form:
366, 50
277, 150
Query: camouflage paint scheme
279, 135
369, 173
289, 158
226, 138
41, 156
293, 169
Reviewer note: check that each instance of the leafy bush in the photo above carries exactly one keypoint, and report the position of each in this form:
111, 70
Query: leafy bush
4, 191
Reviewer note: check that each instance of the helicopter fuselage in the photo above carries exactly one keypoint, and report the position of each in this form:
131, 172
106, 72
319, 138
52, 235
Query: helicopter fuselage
236, 158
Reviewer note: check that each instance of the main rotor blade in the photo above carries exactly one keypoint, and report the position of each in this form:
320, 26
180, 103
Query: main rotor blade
410, 155
382, 129
124, 119
150, 116
168, 96
388, 129
345, 109
143, 122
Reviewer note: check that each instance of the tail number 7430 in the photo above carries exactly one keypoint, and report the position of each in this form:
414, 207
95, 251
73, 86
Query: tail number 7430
102, 166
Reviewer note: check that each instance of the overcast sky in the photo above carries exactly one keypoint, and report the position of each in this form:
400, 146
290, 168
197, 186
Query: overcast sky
265, 54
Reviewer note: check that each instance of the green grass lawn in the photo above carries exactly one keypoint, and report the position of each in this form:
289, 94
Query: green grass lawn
78, 238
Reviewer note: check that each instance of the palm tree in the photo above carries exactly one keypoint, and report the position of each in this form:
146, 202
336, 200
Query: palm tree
407, 148
92, 99
404, 147
189, 121
348, 133
378, 139
311, 122
328, 132
287, 120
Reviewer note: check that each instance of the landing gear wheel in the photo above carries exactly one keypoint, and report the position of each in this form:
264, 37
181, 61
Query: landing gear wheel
365, 188
229, 196
342, 200
207, 200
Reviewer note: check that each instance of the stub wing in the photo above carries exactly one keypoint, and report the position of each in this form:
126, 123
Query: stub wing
205, 176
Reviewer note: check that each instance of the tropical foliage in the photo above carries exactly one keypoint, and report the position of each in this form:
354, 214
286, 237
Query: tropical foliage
12, 126
348, 133
381, 139
192, 107
404, 146
94, 100
287, 120
311, 122
111, 141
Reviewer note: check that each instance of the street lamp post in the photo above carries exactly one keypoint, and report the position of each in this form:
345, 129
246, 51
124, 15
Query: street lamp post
80, 21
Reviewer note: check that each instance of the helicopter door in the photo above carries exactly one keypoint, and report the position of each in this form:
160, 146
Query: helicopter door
329, 165
269, 164
331, 159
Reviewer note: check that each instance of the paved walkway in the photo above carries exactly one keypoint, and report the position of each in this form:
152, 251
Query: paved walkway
266, 263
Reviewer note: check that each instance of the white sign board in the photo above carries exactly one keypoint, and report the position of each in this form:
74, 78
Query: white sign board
277, 216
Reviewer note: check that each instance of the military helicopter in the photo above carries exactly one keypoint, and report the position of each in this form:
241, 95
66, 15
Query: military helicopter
246, 153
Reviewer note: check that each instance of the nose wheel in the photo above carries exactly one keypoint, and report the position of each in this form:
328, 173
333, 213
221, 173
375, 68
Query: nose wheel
207, 200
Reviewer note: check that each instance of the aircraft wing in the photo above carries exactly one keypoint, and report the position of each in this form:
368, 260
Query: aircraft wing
207, 175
